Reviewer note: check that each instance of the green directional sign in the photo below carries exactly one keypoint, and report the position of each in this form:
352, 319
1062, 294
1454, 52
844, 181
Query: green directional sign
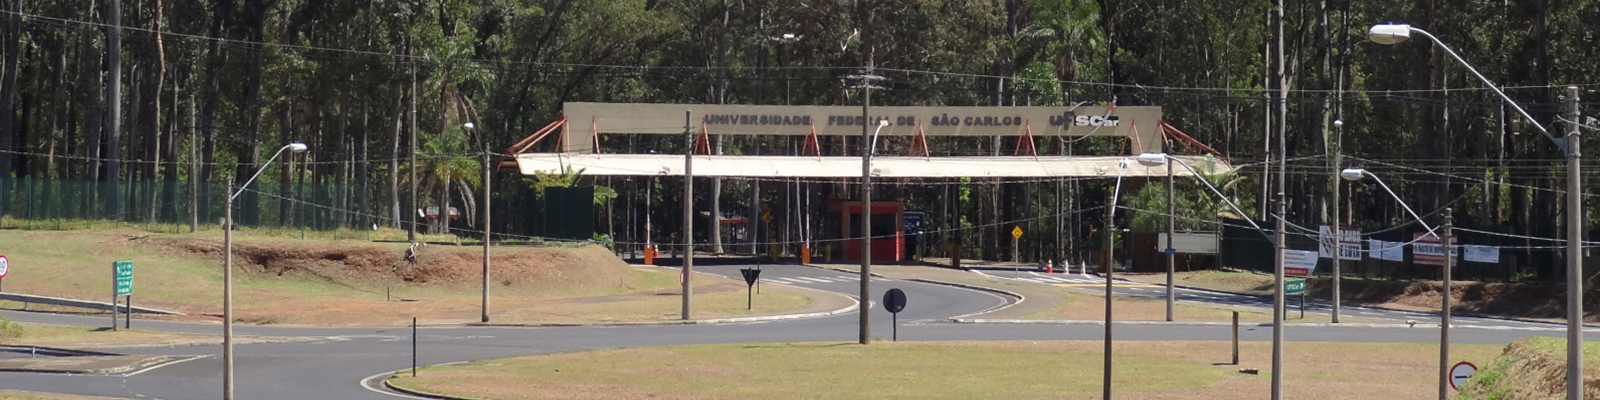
1294, 286
124, 277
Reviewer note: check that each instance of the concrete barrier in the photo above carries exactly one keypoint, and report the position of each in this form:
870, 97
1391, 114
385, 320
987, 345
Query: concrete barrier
93, 305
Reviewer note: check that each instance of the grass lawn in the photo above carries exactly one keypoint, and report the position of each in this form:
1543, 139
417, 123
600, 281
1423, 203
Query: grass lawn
285, 280
80, 337
947, 370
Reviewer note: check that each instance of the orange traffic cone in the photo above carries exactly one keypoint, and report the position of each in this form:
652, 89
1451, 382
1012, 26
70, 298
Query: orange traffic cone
1049, 268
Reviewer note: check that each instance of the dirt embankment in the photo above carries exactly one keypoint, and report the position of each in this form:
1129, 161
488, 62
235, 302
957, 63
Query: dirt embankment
360, 263
1532, 369
1503, 299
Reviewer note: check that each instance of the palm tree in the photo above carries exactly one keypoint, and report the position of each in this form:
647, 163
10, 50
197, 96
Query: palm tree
446, 164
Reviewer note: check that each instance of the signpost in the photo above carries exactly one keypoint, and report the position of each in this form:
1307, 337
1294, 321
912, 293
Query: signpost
122, 274
5, 266
750, 277
1016, 234
1460, 373
1293, 287
895, 301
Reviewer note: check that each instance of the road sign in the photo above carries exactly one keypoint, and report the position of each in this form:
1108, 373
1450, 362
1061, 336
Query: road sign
750, 275
5, 266
913, 222
1460, 372
124, 277
1299, 262
766, 217
1294, 286
1016, 232
895, 301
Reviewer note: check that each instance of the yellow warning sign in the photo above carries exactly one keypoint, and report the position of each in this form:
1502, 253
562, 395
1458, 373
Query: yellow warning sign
1016, 232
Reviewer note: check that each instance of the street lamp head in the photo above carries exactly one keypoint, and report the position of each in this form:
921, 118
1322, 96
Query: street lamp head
1123, 164
1102, 170
789, 37
1152, 159
469, 125
297, 147
1338, 123
883, 122
1352, 174
1389, 33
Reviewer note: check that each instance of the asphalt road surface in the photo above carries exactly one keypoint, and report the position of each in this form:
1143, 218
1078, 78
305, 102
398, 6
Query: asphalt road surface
344, 363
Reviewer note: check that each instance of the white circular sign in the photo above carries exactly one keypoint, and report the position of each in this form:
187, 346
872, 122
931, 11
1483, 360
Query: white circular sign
1460, 372
5, 266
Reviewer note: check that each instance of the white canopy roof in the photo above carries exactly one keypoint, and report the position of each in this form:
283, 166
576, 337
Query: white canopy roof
845, 167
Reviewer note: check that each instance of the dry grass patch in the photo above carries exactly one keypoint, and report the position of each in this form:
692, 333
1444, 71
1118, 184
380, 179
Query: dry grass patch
322, 282
947, 370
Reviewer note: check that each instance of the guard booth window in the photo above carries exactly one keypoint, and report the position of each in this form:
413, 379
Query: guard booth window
883, 225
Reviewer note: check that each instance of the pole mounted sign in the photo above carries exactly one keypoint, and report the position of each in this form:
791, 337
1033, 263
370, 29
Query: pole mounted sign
1294, 286
124, 278
5, 267
1460, 373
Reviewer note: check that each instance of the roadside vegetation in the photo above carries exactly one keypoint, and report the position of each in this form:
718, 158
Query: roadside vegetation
1533, 368
965, 370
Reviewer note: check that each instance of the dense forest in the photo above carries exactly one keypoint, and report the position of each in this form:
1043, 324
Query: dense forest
137, 100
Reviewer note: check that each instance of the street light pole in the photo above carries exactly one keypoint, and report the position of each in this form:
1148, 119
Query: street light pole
227, 270
485, 307
1397, 33
1447, 239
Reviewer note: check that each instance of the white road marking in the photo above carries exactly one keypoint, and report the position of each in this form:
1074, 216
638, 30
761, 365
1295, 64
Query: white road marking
159, 365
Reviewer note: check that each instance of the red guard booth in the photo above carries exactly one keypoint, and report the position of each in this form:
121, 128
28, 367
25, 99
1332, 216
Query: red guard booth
888, 229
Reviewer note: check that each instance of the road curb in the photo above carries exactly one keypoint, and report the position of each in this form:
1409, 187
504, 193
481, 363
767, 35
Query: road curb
419, 393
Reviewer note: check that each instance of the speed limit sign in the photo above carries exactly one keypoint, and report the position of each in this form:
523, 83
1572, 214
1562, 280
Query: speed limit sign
5, 266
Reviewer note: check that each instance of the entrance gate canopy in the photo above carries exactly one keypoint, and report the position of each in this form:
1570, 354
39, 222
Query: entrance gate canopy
847, 167
1138, 124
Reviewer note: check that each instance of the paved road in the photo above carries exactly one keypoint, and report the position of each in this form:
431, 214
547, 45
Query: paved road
1312, 305
338, 360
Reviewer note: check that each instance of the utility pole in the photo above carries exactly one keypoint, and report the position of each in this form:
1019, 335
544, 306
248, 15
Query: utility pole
1574, 255
1338, 236
1172, 253
688, 215
1111, 232
1279, 95
486, 176
1444, 321
866, 176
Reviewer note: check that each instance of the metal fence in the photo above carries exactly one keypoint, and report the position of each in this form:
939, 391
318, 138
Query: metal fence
172, 205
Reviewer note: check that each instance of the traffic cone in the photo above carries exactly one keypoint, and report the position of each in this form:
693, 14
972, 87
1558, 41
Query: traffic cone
1049, 268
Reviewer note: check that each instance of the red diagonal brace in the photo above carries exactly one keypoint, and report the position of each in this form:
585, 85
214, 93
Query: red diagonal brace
1027, 138
702, 142
811, 143
920, 141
